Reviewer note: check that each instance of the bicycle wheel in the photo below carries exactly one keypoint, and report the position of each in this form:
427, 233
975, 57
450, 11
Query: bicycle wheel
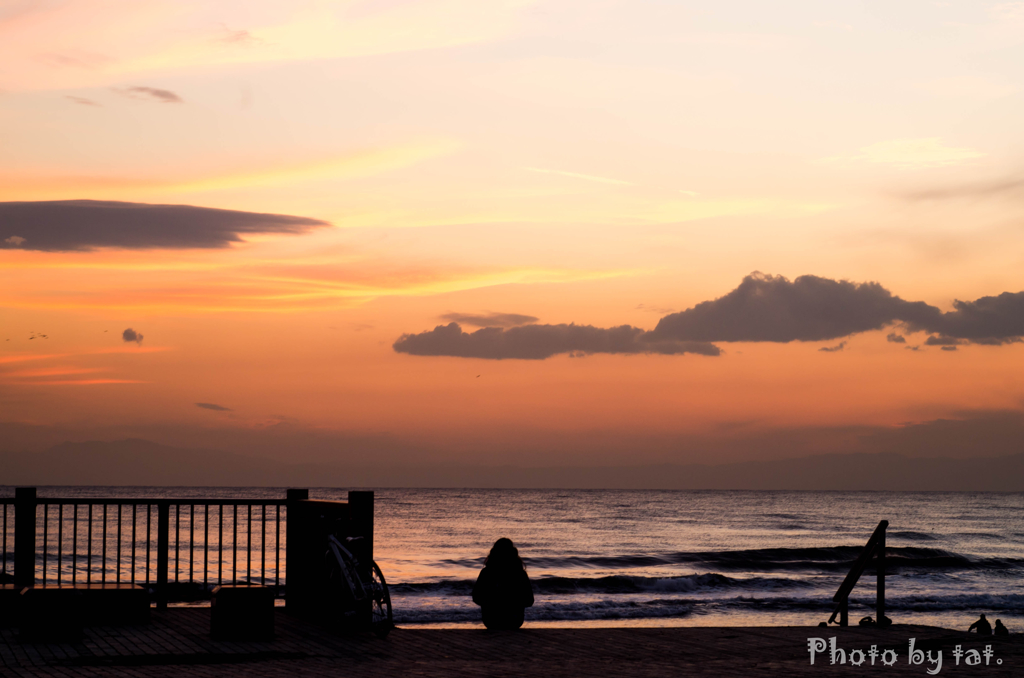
381, 621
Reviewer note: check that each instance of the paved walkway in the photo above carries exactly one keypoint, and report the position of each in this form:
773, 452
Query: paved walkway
176, 643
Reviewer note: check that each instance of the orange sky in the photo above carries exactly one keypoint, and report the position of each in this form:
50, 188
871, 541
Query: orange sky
601, 165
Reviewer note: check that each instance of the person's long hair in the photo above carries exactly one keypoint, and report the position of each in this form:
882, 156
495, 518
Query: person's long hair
504, 556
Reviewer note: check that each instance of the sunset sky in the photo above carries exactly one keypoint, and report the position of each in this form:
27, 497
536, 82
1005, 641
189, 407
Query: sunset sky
521, 165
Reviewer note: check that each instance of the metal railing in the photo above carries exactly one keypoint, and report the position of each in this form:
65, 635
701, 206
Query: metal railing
180, 548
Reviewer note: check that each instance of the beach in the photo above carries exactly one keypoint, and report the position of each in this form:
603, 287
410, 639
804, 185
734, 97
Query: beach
177, 642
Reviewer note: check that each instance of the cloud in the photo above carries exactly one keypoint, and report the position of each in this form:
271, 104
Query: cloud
163, 96
489, 319
915, 153
81, 100
895, 338
942, 340
82, 225
1012, 187
949, 348
537, 342
239, 37
214, 407
810, 308
771, 308
763, 308
131, 335
988, 320
833, 349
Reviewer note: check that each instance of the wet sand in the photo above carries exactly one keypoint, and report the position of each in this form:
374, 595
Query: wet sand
177, 643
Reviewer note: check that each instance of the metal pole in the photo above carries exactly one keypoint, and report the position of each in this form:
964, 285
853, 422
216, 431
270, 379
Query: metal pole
880, 604
295, 531
25, 536
163, 537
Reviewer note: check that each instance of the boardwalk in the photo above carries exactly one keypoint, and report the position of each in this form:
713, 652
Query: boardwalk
177, 643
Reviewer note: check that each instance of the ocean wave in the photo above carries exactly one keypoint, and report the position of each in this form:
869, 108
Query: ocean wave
813, 559
692, 583
894, 604
554, 611
913, 536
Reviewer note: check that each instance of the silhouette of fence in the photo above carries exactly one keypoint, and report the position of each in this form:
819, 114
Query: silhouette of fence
180, 548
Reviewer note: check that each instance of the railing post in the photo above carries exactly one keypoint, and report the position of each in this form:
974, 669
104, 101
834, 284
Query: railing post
163, 538
295, 554
880, 603
25, 536
360, 508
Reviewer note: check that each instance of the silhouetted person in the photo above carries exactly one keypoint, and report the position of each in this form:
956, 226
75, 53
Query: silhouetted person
503, 589
1000, 629
984, 628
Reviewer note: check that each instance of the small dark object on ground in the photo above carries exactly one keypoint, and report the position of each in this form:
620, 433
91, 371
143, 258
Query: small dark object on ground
242, 612
51, 614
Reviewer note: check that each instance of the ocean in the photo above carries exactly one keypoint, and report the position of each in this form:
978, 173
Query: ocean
688, 558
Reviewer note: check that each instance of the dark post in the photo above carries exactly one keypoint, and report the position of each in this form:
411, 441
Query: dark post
25, 536
163, 538
360, 508
295, 556
360, 504
844, 613
880, 603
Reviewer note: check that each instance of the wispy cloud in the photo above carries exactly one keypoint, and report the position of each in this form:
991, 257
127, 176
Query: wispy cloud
213, 406
577, 175
163, 96
82, 101
913, 153
353, 164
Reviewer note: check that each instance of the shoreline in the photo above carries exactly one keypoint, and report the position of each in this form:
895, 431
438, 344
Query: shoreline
176, 642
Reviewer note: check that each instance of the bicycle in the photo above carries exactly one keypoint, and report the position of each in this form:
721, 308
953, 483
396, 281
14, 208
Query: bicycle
343, 573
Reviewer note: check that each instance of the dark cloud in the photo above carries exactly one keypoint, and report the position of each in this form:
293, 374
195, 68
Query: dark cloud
81, 100
163, 96
988, 320
942, 340
894, 338
489, 319
833, 349
77, 225
131, 335
536, 342
771, 308
764, 308
214, 407
809, 308
949, 348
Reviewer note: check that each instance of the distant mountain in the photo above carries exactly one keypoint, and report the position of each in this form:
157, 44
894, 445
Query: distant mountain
141, 462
